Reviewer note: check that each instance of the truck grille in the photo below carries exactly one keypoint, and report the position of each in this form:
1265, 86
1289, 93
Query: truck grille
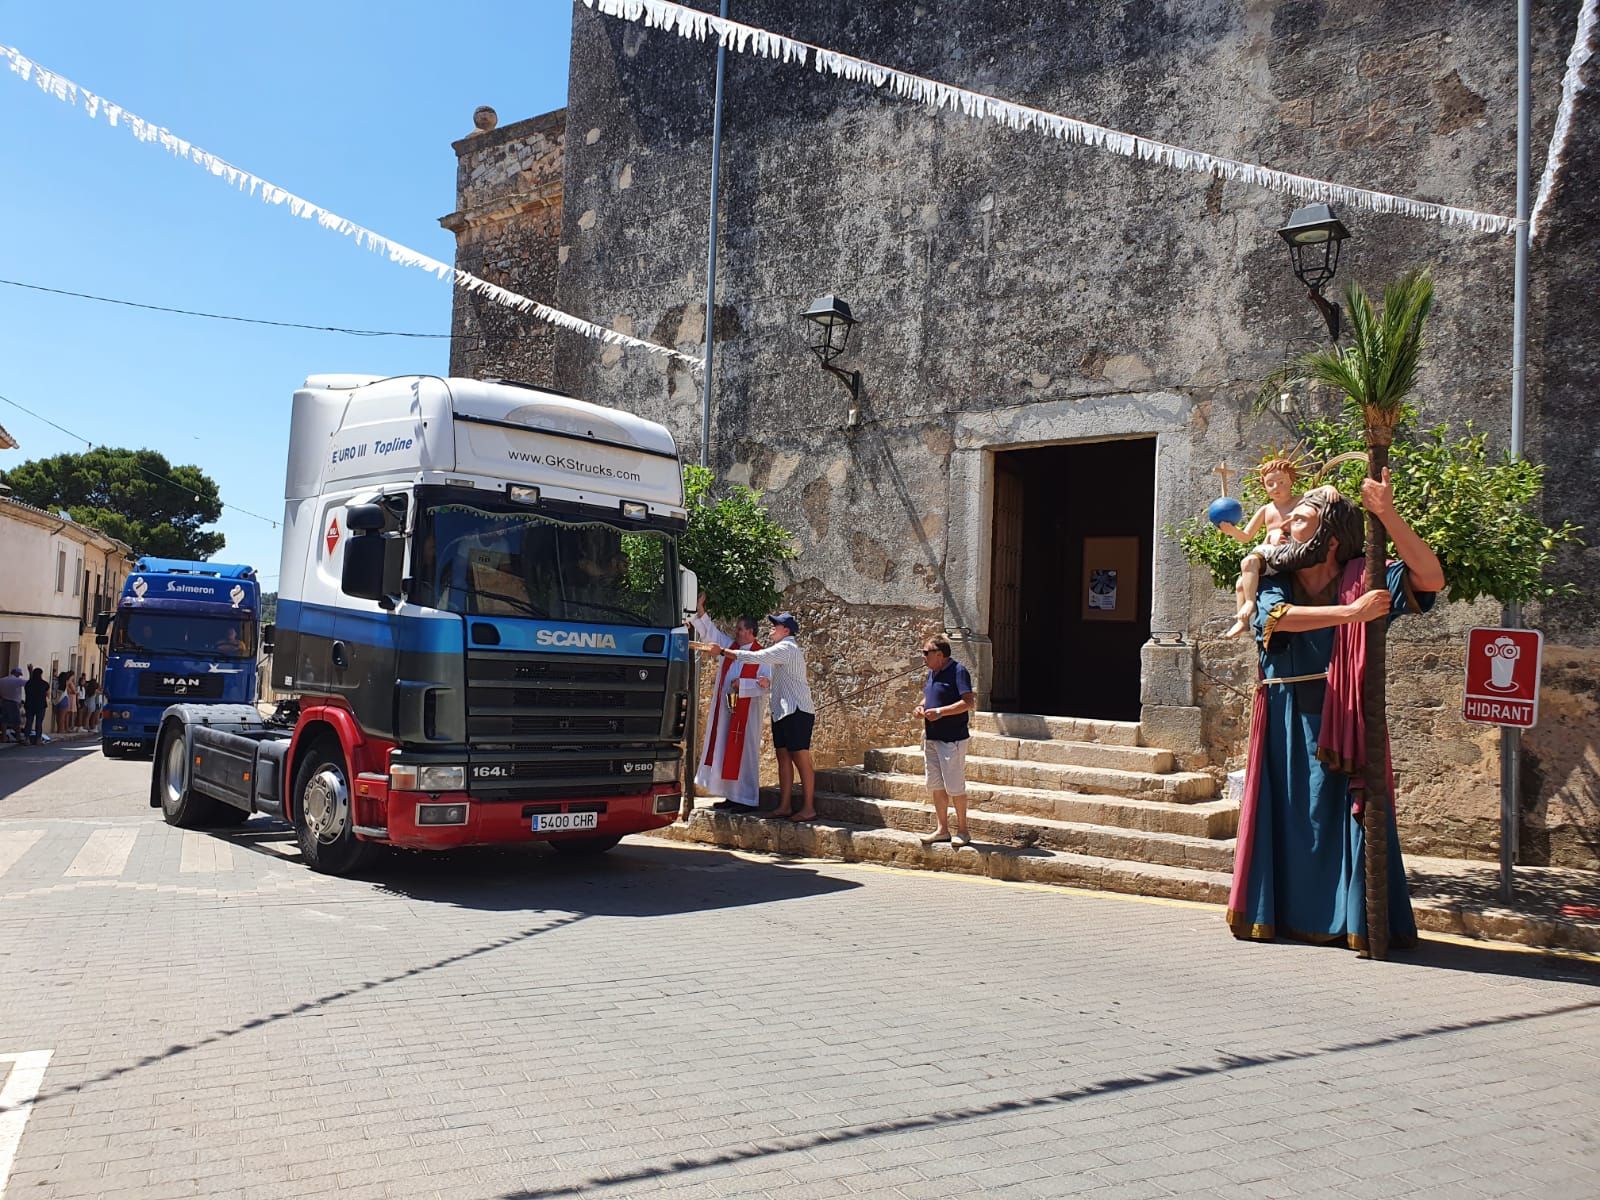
563, 700
171, 683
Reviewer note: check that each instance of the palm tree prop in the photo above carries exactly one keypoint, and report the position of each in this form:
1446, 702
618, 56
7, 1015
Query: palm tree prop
1378, 371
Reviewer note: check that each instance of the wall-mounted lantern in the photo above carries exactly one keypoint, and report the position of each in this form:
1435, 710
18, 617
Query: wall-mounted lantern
832, 318
1314, 234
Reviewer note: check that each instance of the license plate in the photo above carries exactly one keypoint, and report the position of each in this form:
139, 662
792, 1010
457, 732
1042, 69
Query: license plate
565, 822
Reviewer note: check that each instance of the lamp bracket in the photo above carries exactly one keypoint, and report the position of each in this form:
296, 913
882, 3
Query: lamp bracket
852, 381
1330, 312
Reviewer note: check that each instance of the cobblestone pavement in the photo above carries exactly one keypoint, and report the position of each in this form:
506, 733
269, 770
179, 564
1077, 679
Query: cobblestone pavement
677, 1021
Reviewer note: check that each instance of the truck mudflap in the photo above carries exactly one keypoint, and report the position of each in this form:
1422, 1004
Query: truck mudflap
445, 820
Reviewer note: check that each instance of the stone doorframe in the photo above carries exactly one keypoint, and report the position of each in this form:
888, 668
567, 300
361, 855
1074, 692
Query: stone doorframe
1166, 666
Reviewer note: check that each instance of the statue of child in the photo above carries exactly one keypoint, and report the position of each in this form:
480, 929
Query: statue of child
1278, 476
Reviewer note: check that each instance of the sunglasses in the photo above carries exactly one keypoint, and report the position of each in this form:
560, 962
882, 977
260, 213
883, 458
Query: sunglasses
930, 650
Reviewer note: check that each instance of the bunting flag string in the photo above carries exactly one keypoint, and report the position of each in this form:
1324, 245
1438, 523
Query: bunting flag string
696, 25
97, 107
1572, 84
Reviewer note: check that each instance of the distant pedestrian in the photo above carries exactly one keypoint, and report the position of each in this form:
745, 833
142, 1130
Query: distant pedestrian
13, 687
80, 710
947, 698
35, 700
66, 699
93, 700
794, 716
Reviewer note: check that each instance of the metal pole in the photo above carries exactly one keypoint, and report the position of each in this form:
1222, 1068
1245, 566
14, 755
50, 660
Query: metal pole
1511, 739
711, 254
691, 742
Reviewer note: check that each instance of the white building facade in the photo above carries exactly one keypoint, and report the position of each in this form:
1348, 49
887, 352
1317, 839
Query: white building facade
55, 575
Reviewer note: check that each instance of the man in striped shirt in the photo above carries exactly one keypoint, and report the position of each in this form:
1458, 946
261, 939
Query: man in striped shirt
793, 713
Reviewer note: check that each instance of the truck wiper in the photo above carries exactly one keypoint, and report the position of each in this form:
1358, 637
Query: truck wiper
632, 614
525, 605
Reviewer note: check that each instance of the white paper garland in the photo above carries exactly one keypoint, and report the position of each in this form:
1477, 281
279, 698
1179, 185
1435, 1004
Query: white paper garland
94, 106
1571, 85
749, 39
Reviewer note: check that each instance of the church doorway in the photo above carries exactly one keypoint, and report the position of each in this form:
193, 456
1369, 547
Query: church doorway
1074, 530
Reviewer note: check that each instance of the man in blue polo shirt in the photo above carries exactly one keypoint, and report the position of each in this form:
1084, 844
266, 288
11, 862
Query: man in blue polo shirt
947, 698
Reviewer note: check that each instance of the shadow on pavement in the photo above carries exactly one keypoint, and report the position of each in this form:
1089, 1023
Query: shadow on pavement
24, 765
639, 878
1224, 1064
554, 922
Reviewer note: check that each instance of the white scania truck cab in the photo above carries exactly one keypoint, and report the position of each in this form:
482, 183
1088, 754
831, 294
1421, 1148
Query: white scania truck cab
480, 629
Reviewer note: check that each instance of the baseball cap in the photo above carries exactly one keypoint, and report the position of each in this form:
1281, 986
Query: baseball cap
784, 618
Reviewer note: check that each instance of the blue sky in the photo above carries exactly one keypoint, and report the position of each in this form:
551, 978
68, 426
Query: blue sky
352, 105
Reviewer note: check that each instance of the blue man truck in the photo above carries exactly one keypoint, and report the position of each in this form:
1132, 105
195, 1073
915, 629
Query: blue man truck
480, 630
181, 631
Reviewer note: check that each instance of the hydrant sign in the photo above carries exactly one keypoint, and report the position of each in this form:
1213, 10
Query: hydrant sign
1503, 677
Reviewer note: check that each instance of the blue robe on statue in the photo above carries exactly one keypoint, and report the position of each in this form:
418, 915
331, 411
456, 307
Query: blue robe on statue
1299, 870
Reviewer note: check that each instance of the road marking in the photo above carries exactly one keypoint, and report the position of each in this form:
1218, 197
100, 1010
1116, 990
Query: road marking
105, 853
14, 843
204, 855
16, 1102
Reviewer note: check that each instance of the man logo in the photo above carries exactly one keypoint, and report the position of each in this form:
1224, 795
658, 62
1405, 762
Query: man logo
236, 595
140, 587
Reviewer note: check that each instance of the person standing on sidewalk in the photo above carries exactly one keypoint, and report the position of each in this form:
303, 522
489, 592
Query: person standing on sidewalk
13, 687
35, 700
66, 701
947, 698
794, 716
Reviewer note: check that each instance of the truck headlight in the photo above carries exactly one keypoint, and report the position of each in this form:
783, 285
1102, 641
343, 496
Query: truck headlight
666, 771
426, 777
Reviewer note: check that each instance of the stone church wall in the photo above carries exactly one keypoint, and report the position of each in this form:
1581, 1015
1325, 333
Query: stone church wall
1015, 291
508, 227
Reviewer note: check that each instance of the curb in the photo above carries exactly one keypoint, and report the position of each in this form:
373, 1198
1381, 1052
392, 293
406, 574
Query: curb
858, 843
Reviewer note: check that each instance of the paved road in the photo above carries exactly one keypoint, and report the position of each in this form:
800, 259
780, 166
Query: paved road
676, 1021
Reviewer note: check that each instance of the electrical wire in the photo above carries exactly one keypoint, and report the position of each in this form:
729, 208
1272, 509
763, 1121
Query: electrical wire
185, 312
146, 470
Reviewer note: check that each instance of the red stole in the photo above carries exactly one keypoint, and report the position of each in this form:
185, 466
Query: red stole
733, 741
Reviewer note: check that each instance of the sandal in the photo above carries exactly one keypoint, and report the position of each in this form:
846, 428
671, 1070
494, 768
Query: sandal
933, 839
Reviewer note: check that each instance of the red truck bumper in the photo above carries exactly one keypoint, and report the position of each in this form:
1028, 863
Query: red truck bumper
501, 821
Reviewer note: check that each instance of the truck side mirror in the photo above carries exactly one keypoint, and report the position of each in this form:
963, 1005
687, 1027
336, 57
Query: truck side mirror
102, 625
364, 518
101, 639
688, 590
372, 565
268, 632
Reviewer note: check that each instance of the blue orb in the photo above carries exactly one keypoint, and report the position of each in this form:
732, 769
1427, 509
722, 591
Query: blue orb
1225, 510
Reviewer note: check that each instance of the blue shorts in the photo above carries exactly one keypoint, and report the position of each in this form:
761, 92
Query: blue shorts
794, 731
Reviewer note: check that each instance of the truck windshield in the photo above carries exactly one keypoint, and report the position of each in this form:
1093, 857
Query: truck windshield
512, 562
185, 636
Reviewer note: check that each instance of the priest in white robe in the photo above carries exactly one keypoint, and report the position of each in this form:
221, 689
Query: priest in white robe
730, 760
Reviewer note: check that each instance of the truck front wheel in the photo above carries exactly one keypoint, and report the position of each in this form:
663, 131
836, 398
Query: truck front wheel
323, 819
180, 805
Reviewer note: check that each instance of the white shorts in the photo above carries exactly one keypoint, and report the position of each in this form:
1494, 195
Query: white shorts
947, 766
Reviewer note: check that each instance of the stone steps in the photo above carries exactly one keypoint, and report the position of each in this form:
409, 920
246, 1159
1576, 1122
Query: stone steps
1205, 819
1061, 729
858, 843
1083, 754
1029, 832
1173, 786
